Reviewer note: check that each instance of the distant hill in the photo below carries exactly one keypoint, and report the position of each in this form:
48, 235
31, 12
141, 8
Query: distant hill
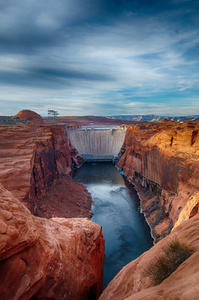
153, 118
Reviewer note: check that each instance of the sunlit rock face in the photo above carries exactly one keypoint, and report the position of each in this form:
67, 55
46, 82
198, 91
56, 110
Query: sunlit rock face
162, 160
47, 259
182, 284
97, 141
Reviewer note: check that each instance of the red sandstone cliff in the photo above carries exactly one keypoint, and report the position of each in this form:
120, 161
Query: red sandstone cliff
32, 158
162, 160
47, 259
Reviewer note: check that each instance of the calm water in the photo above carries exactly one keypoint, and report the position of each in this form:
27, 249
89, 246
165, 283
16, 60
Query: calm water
116, 209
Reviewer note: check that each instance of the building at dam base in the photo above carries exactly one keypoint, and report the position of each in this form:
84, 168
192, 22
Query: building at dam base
98, 144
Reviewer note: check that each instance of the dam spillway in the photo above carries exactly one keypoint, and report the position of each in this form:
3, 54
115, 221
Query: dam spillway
98, 144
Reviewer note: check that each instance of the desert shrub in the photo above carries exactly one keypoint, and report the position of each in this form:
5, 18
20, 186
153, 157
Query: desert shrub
175, 253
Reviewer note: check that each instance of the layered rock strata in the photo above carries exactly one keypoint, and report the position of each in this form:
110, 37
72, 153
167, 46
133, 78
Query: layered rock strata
32, 158
162, 161
47, 259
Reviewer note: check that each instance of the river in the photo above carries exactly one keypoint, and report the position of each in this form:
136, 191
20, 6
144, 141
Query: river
116, 208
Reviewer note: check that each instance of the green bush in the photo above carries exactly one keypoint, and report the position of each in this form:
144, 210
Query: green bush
160, 268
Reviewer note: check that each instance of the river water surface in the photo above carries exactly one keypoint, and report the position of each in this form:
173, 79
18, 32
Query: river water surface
116, 208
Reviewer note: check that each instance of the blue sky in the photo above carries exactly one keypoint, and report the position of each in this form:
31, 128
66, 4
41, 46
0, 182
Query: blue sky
85, 57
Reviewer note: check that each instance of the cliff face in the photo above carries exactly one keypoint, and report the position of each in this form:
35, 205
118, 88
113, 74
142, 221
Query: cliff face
32, 158
39, 258
47, 259
162, 160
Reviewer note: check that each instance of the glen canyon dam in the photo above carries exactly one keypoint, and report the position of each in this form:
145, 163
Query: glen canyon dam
98, 144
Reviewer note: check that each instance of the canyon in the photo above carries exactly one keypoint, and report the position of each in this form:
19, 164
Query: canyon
46, 235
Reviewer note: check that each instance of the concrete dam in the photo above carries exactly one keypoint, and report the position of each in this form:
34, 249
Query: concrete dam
98, 144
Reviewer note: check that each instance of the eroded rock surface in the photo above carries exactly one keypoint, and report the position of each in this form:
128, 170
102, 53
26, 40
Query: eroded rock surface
47, 259
130, 284
32, 158
162, 160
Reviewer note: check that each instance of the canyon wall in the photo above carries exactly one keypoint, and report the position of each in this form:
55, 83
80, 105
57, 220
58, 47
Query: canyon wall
32, 157
97, 141
48, 259
45, 259
162, 161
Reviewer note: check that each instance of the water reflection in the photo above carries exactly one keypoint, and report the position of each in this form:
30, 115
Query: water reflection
116, 209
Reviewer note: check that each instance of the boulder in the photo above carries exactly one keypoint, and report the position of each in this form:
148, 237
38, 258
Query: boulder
48, 259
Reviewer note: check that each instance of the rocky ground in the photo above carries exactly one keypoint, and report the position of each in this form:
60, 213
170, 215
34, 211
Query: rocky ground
65, 198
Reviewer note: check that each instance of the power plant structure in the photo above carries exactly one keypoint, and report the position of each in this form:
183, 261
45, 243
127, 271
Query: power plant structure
98, 144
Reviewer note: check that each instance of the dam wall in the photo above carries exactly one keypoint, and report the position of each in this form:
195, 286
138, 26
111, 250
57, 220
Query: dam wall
98, 144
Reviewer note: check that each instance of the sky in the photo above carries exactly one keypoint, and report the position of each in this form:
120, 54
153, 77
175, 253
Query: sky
99, 57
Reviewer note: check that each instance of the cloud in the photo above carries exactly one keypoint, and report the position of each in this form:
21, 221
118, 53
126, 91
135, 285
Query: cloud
100, 57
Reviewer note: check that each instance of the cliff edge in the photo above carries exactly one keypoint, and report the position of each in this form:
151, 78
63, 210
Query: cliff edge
36, 158
57, 258
47, 259
162, 161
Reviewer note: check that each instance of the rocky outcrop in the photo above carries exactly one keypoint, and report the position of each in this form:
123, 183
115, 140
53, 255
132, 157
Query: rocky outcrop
47, 259
51, 157
130, 284
162, 160
28, 115
32, 157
